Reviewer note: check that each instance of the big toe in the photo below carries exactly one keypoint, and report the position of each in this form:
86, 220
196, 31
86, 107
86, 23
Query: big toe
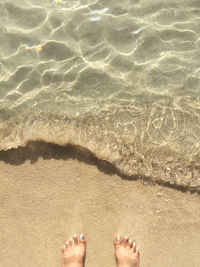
118, 241
82, 240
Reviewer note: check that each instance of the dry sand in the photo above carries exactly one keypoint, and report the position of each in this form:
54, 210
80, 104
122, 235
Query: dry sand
48, 193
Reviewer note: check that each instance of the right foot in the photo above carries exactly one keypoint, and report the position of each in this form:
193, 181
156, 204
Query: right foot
126, 252
74, 252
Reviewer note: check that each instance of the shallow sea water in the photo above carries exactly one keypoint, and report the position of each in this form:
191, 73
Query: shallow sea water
119, 78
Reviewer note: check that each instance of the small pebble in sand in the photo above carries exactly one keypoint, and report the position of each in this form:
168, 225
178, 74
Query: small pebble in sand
159, 194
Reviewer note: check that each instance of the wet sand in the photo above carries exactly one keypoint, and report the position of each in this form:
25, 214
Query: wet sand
48, 193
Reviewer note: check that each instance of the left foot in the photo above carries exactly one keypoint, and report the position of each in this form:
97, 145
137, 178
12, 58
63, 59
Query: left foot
74, 252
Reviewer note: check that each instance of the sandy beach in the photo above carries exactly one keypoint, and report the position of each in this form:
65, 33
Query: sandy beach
48, 193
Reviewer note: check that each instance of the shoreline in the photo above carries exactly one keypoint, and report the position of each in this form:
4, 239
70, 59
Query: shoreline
48, 193
36, 149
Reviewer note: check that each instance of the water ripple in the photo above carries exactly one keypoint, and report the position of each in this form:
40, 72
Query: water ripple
118, 78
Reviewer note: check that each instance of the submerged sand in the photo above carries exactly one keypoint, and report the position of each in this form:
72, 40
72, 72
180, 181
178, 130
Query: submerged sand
48, 193
119, 78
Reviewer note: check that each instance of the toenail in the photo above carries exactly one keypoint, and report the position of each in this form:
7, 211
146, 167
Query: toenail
82, 237
118, 238
75, 235
126, 237
67, 243
134, 244
130, 241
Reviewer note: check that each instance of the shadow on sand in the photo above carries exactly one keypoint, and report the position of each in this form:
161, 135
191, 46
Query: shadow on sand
35, 150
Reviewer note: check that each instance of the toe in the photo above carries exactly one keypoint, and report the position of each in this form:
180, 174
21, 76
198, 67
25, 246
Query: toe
125, 240
138, 252
118, 240
71, 242
67, 244
130, 243
75, 238
134, 247
82, 239
63, 248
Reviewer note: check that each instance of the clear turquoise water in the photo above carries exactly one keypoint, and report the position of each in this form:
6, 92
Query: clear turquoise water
120, 78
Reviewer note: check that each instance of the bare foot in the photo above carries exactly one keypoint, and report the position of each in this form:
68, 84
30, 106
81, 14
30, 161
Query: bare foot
126, 252
74, 252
